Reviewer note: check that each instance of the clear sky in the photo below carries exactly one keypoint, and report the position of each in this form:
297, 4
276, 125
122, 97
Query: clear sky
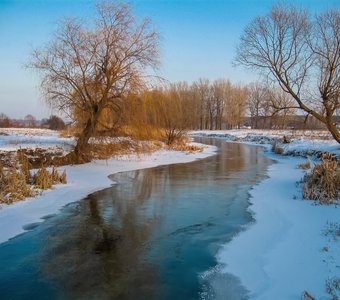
198, 39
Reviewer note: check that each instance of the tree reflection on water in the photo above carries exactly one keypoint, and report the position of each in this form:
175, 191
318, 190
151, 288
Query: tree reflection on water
97, 250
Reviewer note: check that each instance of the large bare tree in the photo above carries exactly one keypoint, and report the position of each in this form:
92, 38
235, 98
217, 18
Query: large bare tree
89, 67
302, 54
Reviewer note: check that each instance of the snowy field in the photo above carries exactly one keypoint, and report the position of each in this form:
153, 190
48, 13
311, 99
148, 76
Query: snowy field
293, 245
12, 139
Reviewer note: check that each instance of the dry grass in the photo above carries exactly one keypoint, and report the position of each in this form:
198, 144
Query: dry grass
276, 149
13, 186
45, 179
323, 182
306, 165
105, 150
186, 147
17, 182
68, 132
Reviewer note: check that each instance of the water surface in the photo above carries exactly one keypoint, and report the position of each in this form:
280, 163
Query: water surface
153, 235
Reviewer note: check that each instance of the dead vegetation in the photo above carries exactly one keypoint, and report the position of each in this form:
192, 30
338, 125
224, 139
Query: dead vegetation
45, 179
105, 149
13, 186
184, 145
322, 183
306, 165
307, 296
276, 148
18, 182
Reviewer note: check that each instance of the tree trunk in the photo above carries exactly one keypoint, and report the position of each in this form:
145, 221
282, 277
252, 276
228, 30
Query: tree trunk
81, 148
331, 126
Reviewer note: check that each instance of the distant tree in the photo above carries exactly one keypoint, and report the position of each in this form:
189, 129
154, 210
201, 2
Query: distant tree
268, 107
202, 94
235, 106
30, 121
281, 107
90, 70
54, 123
220, 94
257, 95
302, 55
170, 111
5, 121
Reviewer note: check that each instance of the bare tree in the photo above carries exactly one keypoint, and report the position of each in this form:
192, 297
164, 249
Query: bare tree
90, 69
5, 121
257, 95
220, 91
172, 114
202, 92
302, 55
30, 121
281, 107
235, 106
268, 107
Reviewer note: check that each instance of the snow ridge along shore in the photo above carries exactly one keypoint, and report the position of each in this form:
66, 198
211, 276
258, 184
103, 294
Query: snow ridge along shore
286, 251
294, 245
82, 181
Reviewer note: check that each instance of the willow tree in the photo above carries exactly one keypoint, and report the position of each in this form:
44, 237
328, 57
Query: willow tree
302, 54
90, 66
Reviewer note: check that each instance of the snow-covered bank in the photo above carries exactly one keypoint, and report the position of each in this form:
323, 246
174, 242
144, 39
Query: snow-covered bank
294, 245
83, 180
285, 251
302, 142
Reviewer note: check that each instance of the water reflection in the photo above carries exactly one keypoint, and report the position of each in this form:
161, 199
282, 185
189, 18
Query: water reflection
152, 234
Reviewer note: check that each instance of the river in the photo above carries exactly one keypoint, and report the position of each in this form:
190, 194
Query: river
153, 235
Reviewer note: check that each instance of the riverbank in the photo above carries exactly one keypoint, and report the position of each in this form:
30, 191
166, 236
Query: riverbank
294, 245
83, 180
291, 247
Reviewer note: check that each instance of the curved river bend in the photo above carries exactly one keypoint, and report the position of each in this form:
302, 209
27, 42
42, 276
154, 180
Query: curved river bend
154, 235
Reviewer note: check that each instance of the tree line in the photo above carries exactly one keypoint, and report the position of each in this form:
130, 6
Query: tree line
29, 121
98, 73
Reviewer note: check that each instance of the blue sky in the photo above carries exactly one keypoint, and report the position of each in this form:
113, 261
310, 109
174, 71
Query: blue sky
198, 39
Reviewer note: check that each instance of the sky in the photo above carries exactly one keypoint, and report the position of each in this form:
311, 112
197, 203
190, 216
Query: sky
198, 39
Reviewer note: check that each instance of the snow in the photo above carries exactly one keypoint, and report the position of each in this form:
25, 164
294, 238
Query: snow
281, 254
12, 139
303, 143
287, 250
83, 180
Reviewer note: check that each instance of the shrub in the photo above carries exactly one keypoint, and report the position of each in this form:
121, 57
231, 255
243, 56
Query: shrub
14, 186
323, 182
63, 177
